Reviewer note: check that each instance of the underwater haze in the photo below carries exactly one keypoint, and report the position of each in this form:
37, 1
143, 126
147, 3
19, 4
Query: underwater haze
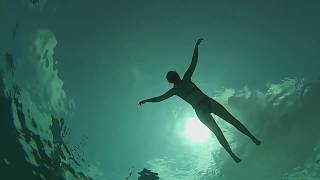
73, 72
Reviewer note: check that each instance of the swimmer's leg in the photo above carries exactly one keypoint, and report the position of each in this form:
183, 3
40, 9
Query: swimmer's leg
222, 112
208, 120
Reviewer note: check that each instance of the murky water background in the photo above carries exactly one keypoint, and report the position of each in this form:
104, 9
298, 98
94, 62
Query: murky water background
68, 113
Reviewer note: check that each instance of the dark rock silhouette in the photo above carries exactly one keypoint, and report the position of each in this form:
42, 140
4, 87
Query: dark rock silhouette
147, 174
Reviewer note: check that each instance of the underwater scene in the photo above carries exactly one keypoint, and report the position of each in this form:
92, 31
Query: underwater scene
168, 90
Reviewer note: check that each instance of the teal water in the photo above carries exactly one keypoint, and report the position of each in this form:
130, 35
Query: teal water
73, 72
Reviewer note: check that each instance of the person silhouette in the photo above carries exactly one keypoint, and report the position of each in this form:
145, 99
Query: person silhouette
202, 104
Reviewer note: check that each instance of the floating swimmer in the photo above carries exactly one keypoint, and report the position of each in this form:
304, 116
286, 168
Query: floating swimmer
202, 104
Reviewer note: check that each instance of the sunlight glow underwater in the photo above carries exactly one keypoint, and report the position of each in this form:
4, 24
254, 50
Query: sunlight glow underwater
196, 131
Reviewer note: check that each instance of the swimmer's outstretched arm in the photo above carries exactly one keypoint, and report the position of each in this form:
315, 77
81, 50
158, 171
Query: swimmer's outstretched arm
166, 95
187, 75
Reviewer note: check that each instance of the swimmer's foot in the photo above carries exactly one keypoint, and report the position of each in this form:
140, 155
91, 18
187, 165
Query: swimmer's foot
256, 141
236, 158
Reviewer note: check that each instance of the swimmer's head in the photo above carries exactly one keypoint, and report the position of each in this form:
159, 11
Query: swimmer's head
173, 77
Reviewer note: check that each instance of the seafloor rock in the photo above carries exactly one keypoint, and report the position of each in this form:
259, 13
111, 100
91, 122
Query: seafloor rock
147, 174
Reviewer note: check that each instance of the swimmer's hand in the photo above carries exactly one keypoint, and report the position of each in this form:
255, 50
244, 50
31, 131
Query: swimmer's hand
142, 102
199, 41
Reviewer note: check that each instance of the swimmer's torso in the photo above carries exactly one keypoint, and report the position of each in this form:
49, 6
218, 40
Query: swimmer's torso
189, 92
